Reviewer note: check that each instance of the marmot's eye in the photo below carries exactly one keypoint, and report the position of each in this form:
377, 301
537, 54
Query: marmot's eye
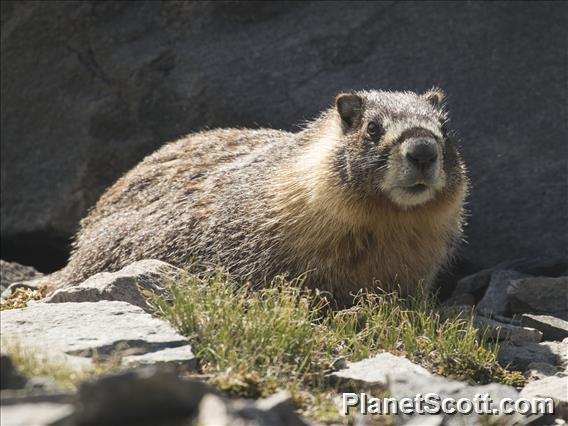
373, 129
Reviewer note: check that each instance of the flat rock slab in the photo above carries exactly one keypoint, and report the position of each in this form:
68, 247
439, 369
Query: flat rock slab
502, 331
36, 414
374, 373
82, 332
551, 327
126, 285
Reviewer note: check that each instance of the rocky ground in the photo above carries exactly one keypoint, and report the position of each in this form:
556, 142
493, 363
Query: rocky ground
147, 373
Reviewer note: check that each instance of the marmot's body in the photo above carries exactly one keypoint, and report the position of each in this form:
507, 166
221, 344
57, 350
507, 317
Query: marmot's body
369, 194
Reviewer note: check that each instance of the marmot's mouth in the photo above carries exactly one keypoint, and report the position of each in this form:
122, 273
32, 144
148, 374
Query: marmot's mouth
417, 189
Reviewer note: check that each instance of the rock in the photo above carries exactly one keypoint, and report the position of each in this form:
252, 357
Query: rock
146, 394
550, 387
215, 411
543, 295
473, 286
428, 421
280, 407
374, 373
125, 285
503, 331
495, 301
409, 385
541, 266
107, 83
519, 357
552, 328
151, 394
10, 378
176, 355
11, 272
561, 350
539, 370
339, 363
276, 410
82, 333
461, 299
36, 414
35, 406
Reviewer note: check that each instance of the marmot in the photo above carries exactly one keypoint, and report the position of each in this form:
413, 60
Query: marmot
369, 194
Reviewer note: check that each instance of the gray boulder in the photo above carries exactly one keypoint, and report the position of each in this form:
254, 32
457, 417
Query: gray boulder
126, 285
81, 334
140, 396
541, 266
11, 272
521, 356
90, 88
552, 328
495, 301
472, 288
503, 331
539, 295
151, 395
539, 370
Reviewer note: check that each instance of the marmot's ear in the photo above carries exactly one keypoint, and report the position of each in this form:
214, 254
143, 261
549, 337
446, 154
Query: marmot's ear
435, 96
349, 107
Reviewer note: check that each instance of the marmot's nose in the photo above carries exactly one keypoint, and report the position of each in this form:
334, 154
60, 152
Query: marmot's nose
422, 153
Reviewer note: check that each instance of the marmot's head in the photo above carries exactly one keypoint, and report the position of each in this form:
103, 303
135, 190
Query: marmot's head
396, 143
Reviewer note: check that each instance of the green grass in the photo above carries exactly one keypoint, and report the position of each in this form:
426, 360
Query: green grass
255, 342
31, 362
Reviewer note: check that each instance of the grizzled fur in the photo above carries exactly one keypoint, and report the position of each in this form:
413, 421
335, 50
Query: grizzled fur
332, 200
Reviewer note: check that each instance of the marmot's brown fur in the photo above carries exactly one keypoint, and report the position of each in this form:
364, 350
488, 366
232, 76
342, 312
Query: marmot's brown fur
370, 194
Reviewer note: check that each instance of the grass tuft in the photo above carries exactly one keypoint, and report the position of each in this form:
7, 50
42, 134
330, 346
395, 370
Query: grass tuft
255, 341
33, 362
30, 364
